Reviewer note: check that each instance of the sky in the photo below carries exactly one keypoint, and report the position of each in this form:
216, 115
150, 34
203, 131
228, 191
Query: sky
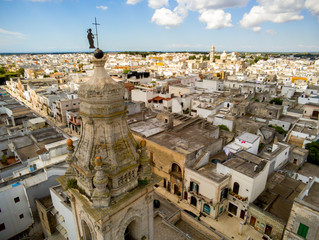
160, 25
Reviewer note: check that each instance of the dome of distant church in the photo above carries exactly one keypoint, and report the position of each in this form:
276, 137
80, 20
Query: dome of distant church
234, 56
223, 56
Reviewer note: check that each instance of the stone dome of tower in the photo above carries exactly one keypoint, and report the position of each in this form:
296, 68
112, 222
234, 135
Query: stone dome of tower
106, 141
100, 88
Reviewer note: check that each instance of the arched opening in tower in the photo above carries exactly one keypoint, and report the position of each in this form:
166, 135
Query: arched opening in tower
86, 231
131, 231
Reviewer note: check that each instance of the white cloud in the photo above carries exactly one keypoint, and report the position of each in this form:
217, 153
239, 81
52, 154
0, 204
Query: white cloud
313, 6
166, 17
132, 2
199, 5
157, 3
271, 32
210, 12
277, 11
15, 35
102, 7
215, 19
256, 29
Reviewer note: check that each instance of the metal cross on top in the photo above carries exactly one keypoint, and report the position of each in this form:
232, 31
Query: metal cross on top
96, 34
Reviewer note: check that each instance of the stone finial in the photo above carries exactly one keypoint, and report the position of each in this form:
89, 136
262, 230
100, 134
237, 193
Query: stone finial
69, 142
69, 173
101, 194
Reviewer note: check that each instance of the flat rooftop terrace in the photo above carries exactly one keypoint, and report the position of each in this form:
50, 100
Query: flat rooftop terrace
184, 140
313, 195
209, 171
278, 198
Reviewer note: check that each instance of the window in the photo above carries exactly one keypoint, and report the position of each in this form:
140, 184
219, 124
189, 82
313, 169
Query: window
194, 187
206, 208
223, 194
21, 216
66, 105
2, 227
236, 187
17, 199
303, 230
193, 201
221, 210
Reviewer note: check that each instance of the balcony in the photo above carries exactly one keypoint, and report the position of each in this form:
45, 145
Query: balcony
235, 197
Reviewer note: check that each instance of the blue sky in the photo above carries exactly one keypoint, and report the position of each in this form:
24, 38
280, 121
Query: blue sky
160, 25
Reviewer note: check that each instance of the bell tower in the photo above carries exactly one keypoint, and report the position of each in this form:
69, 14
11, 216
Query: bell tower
212, 54
112, 191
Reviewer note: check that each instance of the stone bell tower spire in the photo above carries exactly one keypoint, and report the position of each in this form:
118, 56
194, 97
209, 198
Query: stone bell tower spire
105, 136
107, 201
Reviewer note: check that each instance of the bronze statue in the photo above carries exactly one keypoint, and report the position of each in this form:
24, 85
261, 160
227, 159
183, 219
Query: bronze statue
90, 38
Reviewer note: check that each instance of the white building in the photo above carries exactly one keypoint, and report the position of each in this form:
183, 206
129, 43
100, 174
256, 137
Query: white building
246, 141
248, 179
206, 190
277, 155
63, 213
15, 212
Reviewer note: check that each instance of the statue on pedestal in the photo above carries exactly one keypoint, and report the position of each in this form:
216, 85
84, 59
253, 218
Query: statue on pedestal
90, 38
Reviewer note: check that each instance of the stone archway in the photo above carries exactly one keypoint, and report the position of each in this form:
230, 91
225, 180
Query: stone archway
131, 231
87, 234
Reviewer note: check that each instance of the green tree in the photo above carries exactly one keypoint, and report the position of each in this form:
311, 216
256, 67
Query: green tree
126, 71
223, 127
206, 57
193, 57
21, 71
277, 101
278, 129
4, 159
80, 66
2, 70
313, 156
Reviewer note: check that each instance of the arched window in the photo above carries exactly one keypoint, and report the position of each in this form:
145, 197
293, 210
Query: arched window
193, 201
236, 187
86, 231
206, 208
131, 231
176, 168
194, 187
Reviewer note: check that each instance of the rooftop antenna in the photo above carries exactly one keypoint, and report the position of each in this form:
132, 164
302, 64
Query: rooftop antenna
96, 34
